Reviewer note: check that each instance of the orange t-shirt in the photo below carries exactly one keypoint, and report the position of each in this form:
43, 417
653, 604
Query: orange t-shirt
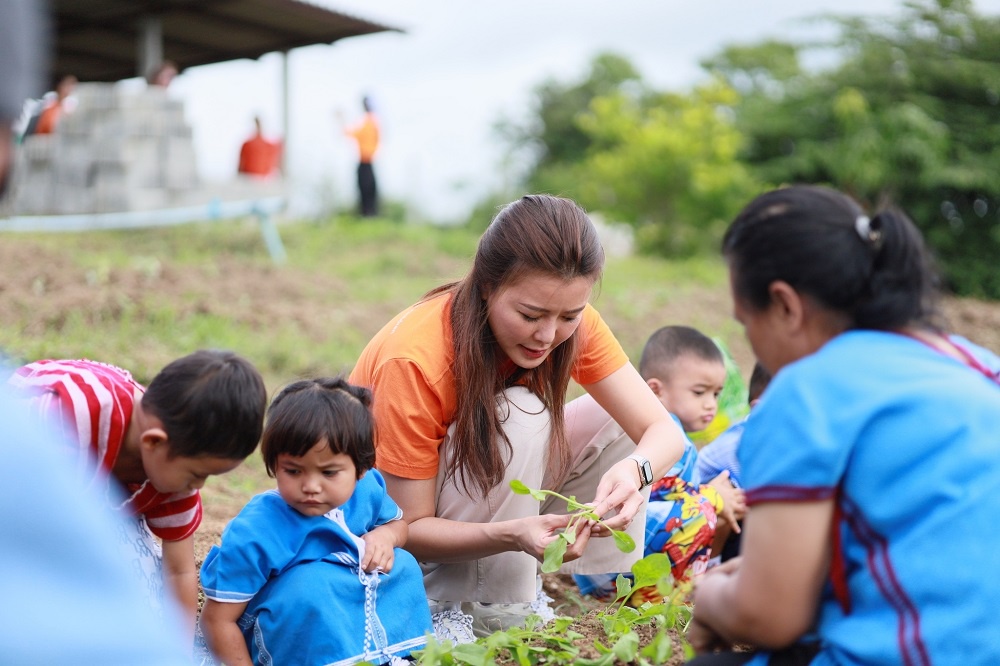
259, 157
408, 365
48, 119
366, 134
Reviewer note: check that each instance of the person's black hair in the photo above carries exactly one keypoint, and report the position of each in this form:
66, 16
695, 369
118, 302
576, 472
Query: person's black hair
326, 409
669, 343
876, 271
211, 403
759, 379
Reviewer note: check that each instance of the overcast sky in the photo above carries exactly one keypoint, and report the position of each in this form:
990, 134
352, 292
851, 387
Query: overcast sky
459, 66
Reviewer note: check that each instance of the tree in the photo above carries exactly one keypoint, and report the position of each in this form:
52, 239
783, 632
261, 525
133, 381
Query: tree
666, 163
906, 117
552, 136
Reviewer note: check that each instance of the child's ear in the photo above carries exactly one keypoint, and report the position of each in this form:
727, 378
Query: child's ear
153, 433
153, 437
655, 385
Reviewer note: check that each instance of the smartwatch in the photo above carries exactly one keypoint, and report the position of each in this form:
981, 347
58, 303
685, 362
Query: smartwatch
645, 469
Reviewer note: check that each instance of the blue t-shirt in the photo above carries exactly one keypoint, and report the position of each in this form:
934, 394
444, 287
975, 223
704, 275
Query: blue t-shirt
907, 440
719, 455
307, 600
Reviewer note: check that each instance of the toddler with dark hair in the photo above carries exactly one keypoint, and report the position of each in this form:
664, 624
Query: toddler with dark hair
313, 571
686, 371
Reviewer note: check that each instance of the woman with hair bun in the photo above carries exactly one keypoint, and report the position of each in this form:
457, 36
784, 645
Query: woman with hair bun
872, 461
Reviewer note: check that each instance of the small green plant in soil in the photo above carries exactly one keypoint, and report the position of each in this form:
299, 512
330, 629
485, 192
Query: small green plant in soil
618, 634
555, 551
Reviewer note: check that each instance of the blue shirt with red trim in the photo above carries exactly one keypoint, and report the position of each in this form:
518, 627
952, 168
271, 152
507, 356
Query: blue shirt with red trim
907, 442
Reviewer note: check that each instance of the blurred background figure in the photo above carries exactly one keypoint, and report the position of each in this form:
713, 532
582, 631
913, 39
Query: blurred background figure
70, 597
259, 156
366, 135
163, 74
55, 108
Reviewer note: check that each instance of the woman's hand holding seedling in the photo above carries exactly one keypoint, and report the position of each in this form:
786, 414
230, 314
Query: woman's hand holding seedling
618, 491
581, 518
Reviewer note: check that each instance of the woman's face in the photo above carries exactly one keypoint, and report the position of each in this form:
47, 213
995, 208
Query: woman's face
791, 326
764, 331
535, 314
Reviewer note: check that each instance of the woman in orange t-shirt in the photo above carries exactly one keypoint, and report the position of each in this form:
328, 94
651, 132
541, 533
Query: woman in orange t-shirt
469, 390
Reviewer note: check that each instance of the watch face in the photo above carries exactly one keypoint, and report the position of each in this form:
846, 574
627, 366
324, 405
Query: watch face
647, 473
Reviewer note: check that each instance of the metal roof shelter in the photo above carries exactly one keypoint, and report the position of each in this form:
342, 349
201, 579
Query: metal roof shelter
109, 40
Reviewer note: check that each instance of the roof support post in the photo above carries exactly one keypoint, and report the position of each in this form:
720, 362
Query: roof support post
150, 45
285, 111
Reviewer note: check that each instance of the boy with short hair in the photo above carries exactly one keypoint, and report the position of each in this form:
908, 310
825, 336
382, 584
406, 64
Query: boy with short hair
686, 370
201, 415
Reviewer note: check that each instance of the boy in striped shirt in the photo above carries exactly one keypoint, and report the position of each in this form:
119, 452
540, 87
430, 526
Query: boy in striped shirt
201, 415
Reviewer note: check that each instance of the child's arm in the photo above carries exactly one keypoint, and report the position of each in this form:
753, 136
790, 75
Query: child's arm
223, 635
379, 544
181, 576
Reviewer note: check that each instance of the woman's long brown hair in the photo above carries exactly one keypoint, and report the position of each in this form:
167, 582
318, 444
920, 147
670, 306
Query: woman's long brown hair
536, 234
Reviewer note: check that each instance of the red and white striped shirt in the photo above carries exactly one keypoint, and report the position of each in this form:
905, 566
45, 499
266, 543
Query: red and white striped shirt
94, 403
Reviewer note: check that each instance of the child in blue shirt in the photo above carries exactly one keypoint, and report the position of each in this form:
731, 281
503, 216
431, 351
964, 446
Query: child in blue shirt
720, 454
686, 370
313, 572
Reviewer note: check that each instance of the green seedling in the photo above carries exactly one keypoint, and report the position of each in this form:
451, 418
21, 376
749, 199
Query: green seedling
555, 551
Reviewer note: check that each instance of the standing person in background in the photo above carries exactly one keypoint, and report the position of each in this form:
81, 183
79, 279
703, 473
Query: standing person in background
366, 135
469, 394
163, 74
56, 107
23, 59
259, 156
871, 462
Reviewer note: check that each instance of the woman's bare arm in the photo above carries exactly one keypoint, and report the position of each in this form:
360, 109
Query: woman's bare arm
771, 599
630, 402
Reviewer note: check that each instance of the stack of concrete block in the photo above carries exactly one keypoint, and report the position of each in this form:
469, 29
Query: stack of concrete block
118, 151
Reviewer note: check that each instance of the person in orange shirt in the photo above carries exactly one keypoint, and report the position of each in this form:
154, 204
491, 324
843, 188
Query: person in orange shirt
366, 135
54, 111
469, 389
259, 156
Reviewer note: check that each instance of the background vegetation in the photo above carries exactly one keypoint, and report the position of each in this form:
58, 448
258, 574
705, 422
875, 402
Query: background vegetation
905, 115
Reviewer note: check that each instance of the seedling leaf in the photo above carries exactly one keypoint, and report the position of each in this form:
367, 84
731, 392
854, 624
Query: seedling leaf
554, 555
625, 543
